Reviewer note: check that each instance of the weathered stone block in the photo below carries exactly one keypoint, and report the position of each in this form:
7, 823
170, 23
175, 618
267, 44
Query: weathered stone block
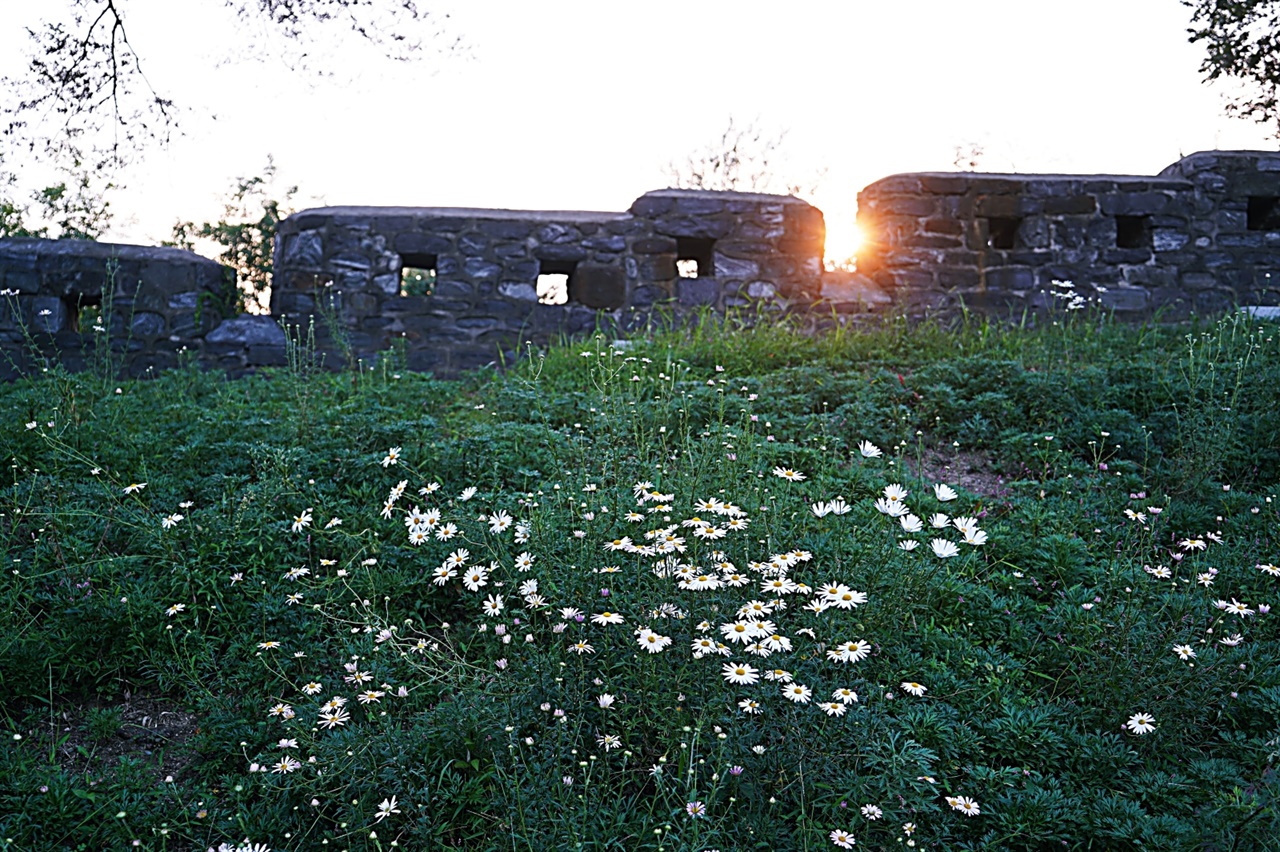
598, 286
568, 252
697, 291
1133, 203
417, 242
732, 267
1079, 204
1167, 239
479, 268
690, 226
654, 245
518, 290
606, 243
504, 230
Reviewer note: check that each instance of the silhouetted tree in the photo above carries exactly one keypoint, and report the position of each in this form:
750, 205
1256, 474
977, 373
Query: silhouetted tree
83, 76
1242, 38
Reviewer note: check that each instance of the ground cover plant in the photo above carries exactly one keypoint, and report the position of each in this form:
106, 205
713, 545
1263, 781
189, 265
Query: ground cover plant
954, 588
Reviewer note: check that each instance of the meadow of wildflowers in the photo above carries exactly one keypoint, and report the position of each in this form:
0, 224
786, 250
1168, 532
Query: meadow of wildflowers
952, 589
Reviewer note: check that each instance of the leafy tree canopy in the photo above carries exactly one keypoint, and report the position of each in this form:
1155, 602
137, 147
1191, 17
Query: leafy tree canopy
1242, 38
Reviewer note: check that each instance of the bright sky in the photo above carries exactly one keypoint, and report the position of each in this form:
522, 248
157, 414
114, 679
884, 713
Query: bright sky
569, 104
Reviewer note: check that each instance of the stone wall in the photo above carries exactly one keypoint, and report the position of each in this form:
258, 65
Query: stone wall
457, 288
67, 296
680, 249
1202, 236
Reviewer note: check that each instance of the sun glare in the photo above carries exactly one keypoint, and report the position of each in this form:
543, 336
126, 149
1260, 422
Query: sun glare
843, 241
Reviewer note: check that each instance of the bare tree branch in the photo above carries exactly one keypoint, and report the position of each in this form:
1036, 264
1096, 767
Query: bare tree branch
84, 79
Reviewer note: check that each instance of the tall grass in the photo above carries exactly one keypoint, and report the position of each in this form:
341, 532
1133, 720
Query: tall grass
271, 560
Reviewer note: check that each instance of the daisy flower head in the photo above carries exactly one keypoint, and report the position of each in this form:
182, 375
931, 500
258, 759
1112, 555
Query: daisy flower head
872, 812
1184, 652
944, 493
609, 741
833, 708
869, 450
910, 523
467, 493
1269, 569
286, 765
850, 652
913, 688
751, 708
740, 673
789, 474
170, 521
891, 508
842, 838
849, 599
603, 618
493, 605
392, 457
1237, 608
797, 692
944, 549
134, 488
301, 522
652, 642
474, 578
581, 648
1141, 723
845, 695
386, 808
965, 805
175, 609
695, 809
908, 545
895, 493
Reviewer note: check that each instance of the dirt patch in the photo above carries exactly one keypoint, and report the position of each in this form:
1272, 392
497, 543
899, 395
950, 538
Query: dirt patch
970, 470
92, 739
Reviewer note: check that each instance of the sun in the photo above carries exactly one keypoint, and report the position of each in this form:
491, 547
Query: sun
843, 241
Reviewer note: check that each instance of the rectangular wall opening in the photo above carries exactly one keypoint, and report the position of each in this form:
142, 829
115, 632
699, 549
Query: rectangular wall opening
417, 274
1133, 232
84, 313
1264, 213
695, 257
1002, 232
553, 281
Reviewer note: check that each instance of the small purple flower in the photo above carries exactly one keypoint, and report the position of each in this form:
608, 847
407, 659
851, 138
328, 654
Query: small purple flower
579, 618
735, 770
604, 593
501, 664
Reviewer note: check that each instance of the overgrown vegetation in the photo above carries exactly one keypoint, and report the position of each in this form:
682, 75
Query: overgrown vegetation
356, 610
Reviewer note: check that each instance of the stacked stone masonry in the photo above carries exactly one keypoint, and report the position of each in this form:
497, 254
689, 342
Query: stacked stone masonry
457, 288
75, 300
683, 249
1200, 237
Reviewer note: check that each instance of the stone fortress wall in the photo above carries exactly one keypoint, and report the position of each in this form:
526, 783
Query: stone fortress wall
680, 248
456, 288
1201, 236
